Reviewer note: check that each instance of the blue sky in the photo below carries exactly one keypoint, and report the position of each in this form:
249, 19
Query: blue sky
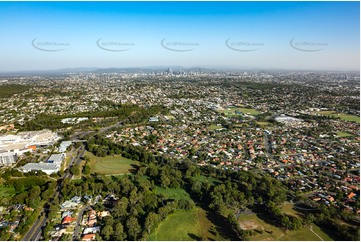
287, 35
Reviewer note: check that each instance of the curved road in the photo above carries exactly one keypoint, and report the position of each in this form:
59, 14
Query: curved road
76, 235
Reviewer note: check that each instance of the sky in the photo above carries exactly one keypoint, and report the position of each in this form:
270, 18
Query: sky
246, 35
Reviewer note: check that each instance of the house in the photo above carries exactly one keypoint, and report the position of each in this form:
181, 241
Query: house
92, 215
92, 230
103, 214
66, 213
351, 195
68, 220
88, 237
76, 199
91, 222
69, 205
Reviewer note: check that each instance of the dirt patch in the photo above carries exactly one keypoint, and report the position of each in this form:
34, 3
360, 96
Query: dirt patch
248, 225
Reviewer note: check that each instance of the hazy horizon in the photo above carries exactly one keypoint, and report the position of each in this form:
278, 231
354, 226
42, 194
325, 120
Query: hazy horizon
315, 36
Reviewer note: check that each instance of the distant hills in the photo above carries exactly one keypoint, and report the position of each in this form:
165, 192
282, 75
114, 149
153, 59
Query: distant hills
148, 69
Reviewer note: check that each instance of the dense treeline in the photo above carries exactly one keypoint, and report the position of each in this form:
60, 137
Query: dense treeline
32, 190
234, 192
112, 112
7, 91
137, 210
225, 192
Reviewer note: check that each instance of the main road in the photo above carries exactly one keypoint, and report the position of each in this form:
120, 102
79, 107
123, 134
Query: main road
34, 233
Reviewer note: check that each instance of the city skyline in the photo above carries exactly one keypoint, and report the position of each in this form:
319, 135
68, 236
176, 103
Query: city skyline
244, 35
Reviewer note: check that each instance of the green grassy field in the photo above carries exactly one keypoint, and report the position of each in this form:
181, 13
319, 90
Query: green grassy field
186, 226
265, 231
343, 134
343, 116
263, 124
110, 165
214, 127
251, 111
172, 193
287, 208
202, 178
7, 191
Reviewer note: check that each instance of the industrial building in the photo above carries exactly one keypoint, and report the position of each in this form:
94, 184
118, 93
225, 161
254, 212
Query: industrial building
64, 145
48, 168
7, 158
52, 165
27, 141
56, 159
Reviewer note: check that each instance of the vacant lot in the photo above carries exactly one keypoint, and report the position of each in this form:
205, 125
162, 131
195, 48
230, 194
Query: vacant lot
265, 231
110, 165
186, 225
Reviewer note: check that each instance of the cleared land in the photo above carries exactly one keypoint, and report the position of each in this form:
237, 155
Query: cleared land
265, 231
110, 165
186, 226
343, 116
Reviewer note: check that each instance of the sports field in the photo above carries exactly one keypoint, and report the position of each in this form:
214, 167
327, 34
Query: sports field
266, 231
110, 165
343, 116
234, 111
186, 226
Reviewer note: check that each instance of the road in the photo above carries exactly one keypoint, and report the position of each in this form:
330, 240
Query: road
34, 233
78, 221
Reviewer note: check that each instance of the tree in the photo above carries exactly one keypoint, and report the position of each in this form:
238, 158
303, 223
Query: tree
165, 181
119, 233
152, 170
133, 228
86, 170
151, 221
120, 209
107, 232
108, 220
75, 170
